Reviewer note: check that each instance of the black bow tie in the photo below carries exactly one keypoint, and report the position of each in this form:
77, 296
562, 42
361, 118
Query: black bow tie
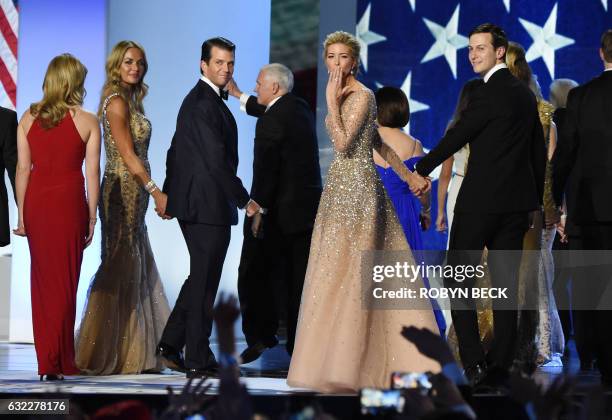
223, 94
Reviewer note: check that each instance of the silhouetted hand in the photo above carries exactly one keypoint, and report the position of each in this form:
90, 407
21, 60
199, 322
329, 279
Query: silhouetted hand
416, 404
429, 344
444, 392
226, 313
191, 400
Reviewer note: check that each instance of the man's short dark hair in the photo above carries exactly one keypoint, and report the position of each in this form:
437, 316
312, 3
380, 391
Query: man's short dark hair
499, 36
392, 107
606, 45
219, 42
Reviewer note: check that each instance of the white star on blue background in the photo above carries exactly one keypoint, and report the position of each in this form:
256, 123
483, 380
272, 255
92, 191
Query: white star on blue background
366, 37
447, 41
545, 41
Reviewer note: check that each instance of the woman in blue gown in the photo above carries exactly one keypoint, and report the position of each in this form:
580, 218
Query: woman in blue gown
413, 213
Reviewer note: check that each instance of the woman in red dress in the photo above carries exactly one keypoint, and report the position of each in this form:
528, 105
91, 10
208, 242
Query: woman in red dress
54, 137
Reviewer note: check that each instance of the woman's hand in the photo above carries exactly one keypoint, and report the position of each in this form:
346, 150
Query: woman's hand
334, 91
20, 230
425, 219
441, 222
90, 233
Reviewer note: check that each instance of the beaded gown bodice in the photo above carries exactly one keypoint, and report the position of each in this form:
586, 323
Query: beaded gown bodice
123, 201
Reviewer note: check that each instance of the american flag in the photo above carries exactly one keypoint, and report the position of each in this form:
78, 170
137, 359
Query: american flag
421, 46
9, 24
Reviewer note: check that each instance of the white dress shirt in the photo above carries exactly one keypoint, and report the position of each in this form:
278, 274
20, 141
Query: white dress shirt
493, 70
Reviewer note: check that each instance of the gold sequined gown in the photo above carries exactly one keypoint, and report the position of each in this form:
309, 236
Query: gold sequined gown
340, 346
126, 307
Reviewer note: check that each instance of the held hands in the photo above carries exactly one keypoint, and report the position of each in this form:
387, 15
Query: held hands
233, 89
161, 201
252, 208
419, 185
334, 91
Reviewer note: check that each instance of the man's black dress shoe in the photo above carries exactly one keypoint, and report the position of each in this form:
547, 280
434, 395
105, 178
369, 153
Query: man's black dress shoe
476, 373
171, 357
252, 353
212, 370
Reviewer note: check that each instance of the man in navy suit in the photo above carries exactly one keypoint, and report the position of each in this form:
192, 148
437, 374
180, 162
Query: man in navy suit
204, 194
582, 163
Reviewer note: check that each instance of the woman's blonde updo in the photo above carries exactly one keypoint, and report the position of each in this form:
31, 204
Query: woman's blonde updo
63, 88
133, 95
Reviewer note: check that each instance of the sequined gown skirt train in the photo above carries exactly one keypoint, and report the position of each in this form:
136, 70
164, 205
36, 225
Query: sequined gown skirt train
126, 307
342, 346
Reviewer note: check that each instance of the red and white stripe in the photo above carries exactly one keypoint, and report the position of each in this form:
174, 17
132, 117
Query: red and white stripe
9, 25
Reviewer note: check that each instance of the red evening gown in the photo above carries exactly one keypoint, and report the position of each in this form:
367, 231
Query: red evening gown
56, 219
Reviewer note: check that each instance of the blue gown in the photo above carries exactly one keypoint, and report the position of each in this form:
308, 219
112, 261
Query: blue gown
408, 208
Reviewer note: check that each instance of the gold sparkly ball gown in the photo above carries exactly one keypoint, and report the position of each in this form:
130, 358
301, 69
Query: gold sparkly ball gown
341, 346
126, 306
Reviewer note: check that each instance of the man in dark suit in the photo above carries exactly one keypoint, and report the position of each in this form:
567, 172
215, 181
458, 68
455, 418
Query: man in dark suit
8, 147
503, 184
585, 151
287, 184
204, 194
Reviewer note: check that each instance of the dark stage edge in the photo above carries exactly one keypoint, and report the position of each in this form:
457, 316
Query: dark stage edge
264, 378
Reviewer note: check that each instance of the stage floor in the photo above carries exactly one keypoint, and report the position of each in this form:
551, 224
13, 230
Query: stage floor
265, 376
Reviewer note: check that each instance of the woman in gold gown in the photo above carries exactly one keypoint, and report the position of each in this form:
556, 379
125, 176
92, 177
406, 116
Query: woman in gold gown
126, 306
341, 344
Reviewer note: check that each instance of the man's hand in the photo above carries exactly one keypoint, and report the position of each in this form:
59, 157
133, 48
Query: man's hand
232, 89
252, 208
257, 226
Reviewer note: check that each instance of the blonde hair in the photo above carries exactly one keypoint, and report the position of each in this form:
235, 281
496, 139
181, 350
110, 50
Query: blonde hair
341, 37
133, 95
63, 87
518, 66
